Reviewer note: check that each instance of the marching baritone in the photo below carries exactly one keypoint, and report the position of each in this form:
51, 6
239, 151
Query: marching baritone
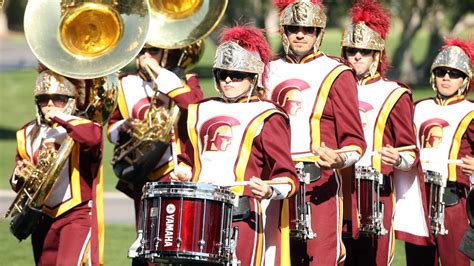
232, 138
386, 109
70, 231
159, 81
445, 136
319, 93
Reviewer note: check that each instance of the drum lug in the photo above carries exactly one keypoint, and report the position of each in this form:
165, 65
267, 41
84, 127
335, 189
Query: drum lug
382, 231
442, 229
233, 246
309, 230
136, 248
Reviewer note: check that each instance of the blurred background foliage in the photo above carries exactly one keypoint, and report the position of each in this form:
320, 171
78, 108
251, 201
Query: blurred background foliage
432, 19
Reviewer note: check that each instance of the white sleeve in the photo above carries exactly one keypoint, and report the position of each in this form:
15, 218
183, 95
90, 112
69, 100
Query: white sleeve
280, 191
168, 81
406, 161
350, 158
114, 132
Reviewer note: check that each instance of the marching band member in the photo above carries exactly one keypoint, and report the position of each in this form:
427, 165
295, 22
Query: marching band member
70, 231
135, 96
389, 124
232, 138
320, 95
446, 133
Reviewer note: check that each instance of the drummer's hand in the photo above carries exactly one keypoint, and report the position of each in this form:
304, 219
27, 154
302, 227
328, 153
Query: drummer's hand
327, 158
467, 166
259, 189
179, 176
390, 156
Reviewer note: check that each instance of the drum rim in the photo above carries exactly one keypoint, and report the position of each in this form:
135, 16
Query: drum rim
188, 190
374, 174
179, 256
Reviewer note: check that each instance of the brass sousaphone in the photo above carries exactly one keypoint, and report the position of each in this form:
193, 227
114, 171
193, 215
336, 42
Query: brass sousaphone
84, 40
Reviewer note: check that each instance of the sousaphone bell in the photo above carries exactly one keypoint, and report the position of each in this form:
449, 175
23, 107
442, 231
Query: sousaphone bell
86, 39
179, 23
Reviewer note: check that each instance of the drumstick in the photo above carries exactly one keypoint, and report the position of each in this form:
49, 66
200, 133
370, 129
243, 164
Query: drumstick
246, 183
174, 151
458, 162
347, 149
399, 149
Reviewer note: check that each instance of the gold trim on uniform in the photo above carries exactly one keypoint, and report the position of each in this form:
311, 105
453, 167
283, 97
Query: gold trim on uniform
381, 123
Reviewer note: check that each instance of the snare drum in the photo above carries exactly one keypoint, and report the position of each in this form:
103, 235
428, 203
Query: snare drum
434, 185
186, 223
370, 208
300, 209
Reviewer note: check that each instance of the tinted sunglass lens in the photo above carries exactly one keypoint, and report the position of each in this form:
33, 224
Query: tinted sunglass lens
292, 29
452, 73
440, 72
59, 99
455, 74
42, 100
153, 51
309, 30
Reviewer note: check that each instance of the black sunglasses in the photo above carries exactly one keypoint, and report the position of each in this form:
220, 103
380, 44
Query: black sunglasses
150, 50
296, 29
233, 75
353, 51
57, 99
440, 72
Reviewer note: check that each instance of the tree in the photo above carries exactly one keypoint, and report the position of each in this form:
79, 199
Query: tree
439, 18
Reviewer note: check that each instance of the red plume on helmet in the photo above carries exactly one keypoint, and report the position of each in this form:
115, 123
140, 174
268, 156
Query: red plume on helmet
467, 47
282, 4
252, 40
375, 17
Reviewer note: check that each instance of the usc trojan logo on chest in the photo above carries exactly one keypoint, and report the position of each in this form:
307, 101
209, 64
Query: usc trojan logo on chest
140, 109
288, 95
216, 133
364, 107
431, 132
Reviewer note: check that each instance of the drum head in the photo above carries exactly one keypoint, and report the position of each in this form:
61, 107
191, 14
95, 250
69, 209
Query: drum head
188, 190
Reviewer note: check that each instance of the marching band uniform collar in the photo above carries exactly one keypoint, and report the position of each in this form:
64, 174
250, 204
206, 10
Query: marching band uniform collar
369, 80
246, 99
450, 100
306, 59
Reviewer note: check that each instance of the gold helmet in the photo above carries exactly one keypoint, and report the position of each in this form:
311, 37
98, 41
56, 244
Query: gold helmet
243, 49
368, 30
303, 13
456, 54
51, 83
